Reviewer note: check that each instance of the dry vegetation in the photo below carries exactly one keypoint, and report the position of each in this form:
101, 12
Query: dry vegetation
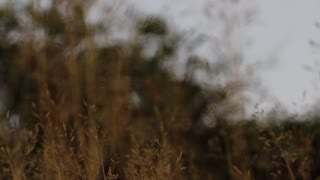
78, 119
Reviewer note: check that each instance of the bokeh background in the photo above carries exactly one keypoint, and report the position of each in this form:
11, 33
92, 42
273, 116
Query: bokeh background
159, 90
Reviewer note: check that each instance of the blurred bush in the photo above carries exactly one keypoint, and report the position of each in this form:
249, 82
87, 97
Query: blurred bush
111, 112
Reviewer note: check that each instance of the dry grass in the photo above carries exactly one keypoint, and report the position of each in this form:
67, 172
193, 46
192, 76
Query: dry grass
78, 120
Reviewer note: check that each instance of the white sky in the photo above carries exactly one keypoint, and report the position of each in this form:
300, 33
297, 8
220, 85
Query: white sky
289, 25
280, 36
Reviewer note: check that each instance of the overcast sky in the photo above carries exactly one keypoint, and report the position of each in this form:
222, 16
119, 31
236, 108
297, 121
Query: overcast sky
280, 36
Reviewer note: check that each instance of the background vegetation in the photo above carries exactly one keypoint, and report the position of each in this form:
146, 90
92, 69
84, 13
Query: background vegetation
76, 109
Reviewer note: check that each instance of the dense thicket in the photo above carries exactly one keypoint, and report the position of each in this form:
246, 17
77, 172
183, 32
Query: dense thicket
73, 109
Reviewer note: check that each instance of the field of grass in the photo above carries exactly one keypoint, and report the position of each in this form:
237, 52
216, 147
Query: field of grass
76, 110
